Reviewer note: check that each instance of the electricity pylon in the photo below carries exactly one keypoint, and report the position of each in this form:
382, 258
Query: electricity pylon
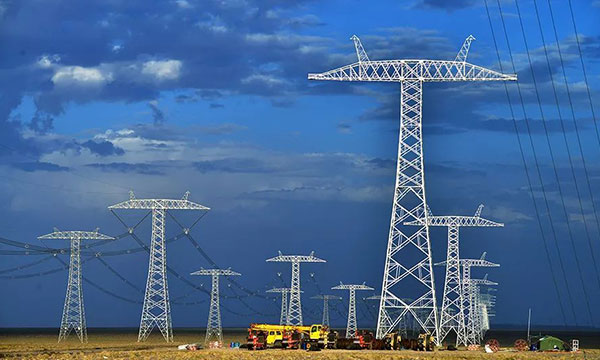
294, 315
401, 264
283, 318
478, 309
452, 317
73, 317
326, 299
156, 310
213, 328
351, 325
468, 290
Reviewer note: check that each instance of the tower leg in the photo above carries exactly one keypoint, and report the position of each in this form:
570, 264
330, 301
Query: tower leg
295, 310
326, 311
73, 317
452, 314
213, 329
409, 204
351, 325
469, 328
157, 310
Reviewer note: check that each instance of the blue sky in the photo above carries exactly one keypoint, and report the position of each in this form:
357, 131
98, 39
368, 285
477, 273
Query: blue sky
213, 97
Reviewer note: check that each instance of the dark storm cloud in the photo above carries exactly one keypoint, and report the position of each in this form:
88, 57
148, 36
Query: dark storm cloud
107, 51
38, 166
233, 165
146, 169
158, 116
445, 4
41, 123
102, 148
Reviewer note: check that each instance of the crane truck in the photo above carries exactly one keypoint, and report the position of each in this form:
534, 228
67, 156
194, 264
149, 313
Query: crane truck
262, 336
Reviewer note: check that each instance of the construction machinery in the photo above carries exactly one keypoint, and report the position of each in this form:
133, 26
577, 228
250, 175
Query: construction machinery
263, 336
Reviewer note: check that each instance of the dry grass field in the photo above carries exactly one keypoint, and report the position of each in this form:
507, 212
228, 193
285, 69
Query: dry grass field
124, 346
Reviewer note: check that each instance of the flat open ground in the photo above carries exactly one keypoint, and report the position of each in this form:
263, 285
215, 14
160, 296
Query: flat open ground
125, 346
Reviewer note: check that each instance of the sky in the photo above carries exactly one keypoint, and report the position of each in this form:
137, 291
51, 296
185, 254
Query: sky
163, 97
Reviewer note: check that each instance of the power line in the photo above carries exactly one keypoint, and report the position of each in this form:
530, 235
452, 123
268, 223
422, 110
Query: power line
522, 102
578, 137
528, 176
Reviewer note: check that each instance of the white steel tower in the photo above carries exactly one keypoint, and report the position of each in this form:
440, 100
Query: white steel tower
294, 316
157, 310
213, 328
452, 317
283, 318
408, 264
351, 325
326, 299
476, 328
73, 317
468, 290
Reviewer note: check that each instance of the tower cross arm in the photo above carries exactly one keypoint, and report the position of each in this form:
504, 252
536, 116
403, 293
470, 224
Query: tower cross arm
352, 287
482, 282
295, 258
473, 221
472, 263
82, 235
176, 204
422, 70
218, 272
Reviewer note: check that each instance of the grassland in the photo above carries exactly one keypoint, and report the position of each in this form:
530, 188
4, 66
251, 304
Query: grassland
125, 346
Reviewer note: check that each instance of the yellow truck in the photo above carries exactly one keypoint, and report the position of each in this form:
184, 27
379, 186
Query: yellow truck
262, 336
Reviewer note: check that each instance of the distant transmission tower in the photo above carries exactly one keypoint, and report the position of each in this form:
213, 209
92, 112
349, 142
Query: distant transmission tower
73, 317
283, 318
351, 325
468, 291
157, 310
408, 264
478, 309
294, 316
452, 317
214, 329
326, 299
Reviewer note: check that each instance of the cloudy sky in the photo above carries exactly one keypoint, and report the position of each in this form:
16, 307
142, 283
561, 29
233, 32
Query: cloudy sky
103, 97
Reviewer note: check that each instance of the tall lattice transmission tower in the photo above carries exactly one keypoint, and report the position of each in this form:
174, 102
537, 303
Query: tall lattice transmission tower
213, 328
156, 310
73, 317
285, 294
351, 325
478, 321
408, 264
326, 299
294, 315
468, 291
452, 316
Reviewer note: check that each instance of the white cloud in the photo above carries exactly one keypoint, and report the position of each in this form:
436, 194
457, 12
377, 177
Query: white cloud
162, 69
47, 61
81, 76
184, 4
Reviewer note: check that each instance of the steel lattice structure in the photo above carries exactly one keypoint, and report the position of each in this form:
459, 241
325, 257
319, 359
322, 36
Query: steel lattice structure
73, 317
409, 201
468, 295
213, 328
156, 310
326, 299
351, 325
479, 310
452, 315
294, 315
283, 318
